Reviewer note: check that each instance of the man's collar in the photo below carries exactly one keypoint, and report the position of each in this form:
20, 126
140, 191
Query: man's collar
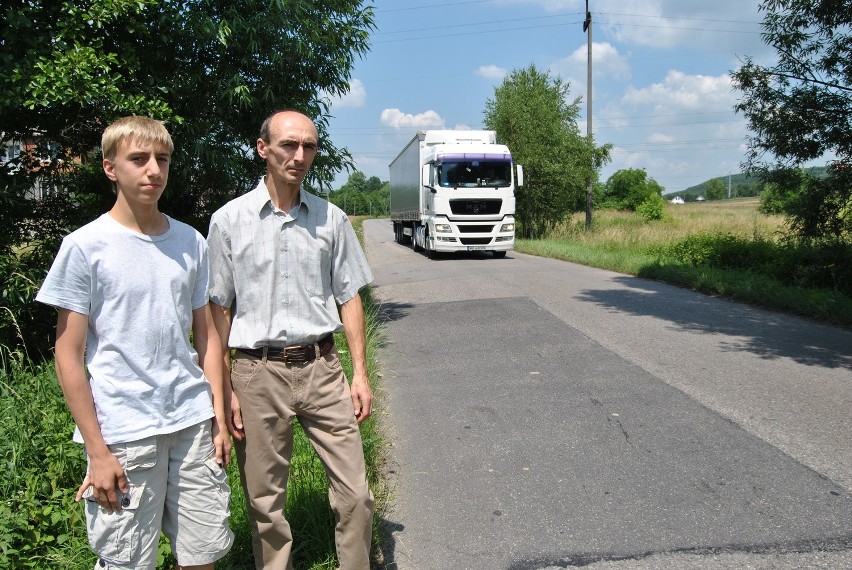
260, 197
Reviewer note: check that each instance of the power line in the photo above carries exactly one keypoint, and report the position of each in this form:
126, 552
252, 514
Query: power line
466, 25
551, 17
431, 6
384, 131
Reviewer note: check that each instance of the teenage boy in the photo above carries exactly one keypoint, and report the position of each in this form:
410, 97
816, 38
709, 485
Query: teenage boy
128, 287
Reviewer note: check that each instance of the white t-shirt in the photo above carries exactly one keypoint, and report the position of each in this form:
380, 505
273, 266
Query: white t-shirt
139, 292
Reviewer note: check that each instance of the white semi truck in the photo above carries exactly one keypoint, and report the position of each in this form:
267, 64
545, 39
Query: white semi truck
454, 191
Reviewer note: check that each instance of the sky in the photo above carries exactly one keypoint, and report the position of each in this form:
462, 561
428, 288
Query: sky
662, 93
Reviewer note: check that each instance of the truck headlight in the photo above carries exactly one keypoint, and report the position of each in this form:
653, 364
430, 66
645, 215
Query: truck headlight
507, 228
444, 228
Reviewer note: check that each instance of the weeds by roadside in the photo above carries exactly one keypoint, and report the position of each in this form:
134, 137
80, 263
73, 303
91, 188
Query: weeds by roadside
725, 248
42, 527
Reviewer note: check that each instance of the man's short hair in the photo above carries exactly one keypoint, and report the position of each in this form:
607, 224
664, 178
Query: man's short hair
134, 127
267, 122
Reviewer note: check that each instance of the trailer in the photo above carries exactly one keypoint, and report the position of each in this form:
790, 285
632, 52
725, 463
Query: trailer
454, 191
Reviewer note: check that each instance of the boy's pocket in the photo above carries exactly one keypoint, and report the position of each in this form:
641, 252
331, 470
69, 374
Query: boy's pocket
115, 536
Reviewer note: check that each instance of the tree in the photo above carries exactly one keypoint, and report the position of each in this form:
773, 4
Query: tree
357, 182
211, 70
362, 196
798, 110
373, 184
532, 116
714, 190
626, 189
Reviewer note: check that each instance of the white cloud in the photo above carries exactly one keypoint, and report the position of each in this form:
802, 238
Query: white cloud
607, 62
660, 138
729, 25
681, 129
685, 92
697, 24
491, 72
356, 97
396, 119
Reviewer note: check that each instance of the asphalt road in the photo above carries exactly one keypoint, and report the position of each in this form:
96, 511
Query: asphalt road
547, 415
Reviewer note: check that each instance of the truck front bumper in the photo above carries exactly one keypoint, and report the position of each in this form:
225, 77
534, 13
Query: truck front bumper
471, 235
453, 243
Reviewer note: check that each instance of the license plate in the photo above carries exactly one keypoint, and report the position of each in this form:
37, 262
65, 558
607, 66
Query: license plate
476, 248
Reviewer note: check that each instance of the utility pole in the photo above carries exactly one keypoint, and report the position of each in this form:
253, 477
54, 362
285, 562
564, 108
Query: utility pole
587, 27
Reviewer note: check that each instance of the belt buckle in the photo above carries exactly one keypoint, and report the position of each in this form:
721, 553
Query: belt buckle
294, 354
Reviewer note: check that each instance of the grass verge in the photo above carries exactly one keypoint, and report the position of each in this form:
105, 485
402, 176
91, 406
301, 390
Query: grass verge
42, 527
724, 248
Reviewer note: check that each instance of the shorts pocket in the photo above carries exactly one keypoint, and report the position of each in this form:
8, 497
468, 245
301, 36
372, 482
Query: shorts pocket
115, 536
222, 491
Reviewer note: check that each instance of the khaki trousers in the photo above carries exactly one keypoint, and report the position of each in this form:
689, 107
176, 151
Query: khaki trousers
271, 394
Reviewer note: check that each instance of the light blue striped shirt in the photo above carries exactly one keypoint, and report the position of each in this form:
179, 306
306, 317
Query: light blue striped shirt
283, 275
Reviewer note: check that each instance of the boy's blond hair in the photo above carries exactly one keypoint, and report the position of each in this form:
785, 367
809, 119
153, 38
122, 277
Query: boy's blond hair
134, 127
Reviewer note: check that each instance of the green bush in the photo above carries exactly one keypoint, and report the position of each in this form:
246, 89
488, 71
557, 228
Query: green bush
652, 208
26, 327
40, 525
806, 264
816, 205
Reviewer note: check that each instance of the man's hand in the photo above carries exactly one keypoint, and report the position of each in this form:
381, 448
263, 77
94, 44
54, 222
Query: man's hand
234, 416
354, 327
362, 398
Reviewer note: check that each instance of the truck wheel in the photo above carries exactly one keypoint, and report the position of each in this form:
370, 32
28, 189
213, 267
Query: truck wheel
414, 237
430, 253
499, 254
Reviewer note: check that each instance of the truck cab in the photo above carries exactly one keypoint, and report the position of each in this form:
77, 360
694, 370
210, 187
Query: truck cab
461, 197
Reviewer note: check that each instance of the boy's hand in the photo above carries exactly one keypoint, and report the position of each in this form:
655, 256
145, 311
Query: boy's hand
222, 444
107, 479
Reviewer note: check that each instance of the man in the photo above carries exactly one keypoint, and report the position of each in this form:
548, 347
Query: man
282, 261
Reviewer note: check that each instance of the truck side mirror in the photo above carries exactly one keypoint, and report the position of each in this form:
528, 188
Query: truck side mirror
520, 181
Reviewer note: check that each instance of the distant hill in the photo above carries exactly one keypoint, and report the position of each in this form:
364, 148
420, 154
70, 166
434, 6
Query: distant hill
741, 186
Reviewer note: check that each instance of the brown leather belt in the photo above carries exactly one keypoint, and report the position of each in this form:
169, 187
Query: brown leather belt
296, 354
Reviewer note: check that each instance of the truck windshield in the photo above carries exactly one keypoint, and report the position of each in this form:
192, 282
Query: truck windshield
474, 173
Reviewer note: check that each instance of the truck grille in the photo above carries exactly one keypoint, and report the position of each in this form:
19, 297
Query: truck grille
468, 229
476, 207
475, 241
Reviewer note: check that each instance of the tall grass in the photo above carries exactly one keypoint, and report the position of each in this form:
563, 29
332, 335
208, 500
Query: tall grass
723, 248
42, 527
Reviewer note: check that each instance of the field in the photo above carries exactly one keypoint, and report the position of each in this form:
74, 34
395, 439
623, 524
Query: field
723, 248
739, 217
